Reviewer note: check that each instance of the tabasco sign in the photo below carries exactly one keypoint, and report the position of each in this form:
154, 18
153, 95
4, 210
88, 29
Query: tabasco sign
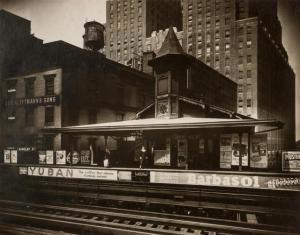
43, 100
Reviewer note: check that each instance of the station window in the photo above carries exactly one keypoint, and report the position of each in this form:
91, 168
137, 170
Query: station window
49, 116
189, 78
29, 117
49, 84
29, 87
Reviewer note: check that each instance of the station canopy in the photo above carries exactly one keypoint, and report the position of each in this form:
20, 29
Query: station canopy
151, 124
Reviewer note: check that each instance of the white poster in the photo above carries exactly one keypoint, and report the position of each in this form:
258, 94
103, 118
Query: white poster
225, 151
13, 156
259, 154
6, 156
61, 157
42, 157
162, 157
235, 150
49, 157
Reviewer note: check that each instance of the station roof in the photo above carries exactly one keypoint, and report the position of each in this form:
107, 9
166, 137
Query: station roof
129, 126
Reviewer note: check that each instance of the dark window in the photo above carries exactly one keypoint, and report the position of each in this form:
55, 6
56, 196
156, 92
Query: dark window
120, 94
248, 102
49, 116
29, 87
49, 85
120, 116
248, 73
92, 116
29, 117
189, 78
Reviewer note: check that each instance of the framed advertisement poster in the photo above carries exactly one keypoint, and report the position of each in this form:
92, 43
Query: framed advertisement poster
259, 154
61, 157
225, 151
6, 156
85, 157
42, 157
49, 157
13, 156
291, 161
182, 151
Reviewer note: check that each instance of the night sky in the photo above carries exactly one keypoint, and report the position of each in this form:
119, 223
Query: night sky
63, 20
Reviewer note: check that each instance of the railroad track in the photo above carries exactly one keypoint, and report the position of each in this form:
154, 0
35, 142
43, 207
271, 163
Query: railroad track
103, 220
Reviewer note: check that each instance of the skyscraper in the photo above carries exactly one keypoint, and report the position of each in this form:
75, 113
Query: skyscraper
242, 40
129, 22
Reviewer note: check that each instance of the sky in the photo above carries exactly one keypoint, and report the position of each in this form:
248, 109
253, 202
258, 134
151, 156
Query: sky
53, 20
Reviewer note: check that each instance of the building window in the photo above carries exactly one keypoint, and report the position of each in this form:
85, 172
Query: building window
248, 73
11, 114
249, 43
248, 102
29, 117
92, 116
29, 87
249, 59
49, 85
49, 116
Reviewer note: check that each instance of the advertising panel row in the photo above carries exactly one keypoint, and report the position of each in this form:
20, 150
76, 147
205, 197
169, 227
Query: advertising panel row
51, 157
161, 177
232, 149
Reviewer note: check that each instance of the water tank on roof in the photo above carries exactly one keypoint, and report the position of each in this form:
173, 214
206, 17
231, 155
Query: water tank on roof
94, 36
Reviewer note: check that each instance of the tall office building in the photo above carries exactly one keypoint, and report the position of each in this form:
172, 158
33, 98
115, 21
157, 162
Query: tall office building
242, 40
129, 22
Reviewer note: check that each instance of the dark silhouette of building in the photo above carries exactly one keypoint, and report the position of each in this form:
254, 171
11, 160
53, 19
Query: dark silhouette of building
129, 22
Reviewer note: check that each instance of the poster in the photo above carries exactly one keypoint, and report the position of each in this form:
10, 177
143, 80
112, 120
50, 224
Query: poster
75, 157
61, 157
244, 150
85, 157
225, 151
6, 156
291, 161
42, 157
162, 158
201, 146
49, 157
13, 156
235, 150
259, 156
182, 151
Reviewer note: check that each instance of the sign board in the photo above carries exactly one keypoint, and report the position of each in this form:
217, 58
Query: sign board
49, 157
13, 156
124, 175
225, 151
259, 154
162, 158
43, 100
85, 157
42, 157
141, 176
61, 157
291, 161
6, 156
73, 173
227, 180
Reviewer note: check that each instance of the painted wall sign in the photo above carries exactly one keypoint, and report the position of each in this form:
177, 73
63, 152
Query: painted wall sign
73, 173
226, 180
43, 100
291, 161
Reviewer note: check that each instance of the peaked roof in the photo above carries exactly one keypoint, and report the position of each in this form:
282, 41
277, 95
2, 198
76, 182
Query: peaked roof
170, 45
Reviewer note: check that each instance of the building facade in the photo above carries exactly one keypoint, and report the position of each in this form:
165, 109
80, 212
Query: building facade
129, 22
237, 38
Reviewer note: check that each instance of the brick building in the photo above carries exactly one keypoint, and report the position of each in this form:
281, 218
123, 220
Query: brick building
129, 22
